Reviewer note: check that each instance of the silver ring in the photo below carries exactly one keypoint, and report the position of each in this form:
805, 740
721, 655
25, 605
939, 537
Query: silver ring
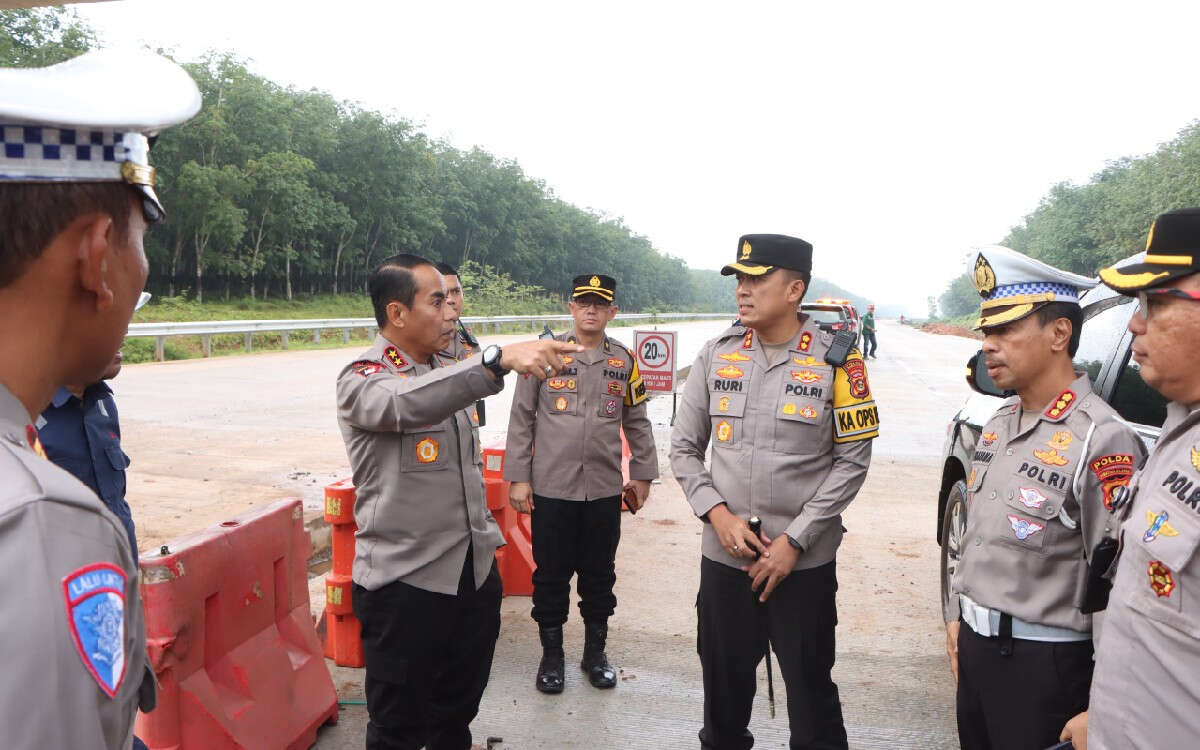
736, 548
549, 369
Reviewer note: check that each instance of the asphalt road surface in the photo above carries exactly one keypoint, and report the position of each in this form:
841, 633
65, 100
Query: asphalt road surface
212, 438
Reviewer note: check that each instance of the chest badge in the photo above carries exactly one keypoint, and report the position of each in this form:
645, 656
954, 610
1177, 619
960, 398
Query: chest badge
724, 431
808, 412
427, 451
989, 438
95, 600
1050, 457
1162, 583
560, 403
810, 361
789, 408
805, 376
730, 371
1060, 440
1195, 459
1024, 528
734, 357
1032, 498
616, 363
1156, 523
723, 404
610, 406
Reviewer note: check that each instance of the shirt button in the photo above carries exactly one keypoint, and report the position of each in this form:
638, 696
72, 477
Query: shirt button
978, 541
993, 495
1008, 452
1049, 508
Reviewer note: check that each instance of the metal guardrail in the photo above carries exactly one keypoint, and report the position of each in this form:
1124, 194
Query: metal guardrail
206, 329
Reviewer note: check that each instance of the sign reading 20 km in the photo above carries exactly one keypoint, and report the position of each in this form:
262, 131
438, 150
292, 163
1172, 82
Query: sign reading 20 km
655, 352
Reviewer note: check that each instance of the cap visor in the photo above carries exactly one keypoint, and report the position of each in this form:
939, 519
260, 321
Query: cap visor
1004, 316
750, 270
601, 293
1134, 278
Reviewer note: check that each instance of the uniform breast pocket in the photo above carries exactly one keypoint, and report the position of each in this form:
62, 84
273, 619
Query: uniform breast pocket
800, 423
558, 402
726, 412
1031, 517
1162, 537
424, 449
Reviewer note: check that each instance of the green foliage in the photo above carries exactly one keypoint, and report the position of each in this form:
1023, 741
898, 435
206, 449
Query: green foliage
41, 36
960, 298
274, 192
1082, 228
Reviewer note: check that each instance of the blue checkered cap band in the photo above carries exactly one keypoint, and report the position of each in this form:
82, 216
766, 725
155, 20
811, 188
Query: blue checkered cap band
35, 153
1061, 292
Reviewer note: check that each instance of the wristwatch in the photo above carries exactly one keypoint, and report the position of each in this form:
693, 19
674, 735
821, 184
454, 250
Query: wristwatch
491, 360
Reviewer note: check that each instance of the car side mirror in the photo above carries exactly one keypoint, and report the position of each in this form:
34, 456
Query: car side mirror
980, 381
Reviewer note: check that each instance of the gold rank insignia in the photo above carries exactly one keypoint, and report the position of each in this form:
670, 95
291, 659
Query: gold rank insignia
723, 404
734, 357
985, 277
594, 282
746, 250
729, 371
789, 408
1195, 459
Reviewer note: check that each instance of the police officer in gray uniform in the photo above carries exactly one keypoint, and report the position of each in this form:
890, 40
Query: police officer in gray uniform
1144, 693
76, 196
426, 589
1038, 498
463, 344
563, 458
790, 418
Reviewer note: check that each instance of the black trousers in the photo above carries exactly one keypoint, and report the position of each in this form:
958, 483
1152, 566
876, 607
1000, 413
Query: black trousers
1020, 701
428, 657
573, 537
732, 633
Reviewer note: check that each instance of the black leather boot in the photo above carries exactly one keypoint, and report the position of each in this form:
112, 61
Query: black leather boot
600, 673
550, 675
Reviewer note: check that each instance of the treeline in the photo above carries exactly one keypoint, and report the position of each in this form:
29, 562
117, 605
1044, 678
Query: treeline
272, 191
1082, 228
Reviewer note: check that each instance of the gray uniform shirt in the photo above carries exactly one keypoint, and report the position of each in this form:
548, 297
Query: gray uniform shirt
75, 666
564, 433
418, 470
463, 345
1038, 501
791, 441
1146, 688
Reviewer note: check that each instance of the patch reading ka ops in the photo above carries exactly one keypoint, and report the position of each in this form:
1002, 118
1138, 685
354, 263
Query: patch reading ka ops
855, 415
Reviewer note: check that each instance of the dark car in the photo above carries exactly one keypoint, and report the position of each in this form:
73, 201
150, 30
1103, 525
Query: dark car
1104, 355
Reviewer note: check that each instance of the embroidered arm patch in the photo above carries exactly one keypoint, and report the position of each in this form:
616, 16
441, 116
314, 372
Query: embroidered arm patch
855, 415
637, 388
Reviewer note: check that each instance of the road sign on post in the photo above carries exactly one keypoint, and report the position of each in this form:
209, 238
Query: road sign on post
656, 359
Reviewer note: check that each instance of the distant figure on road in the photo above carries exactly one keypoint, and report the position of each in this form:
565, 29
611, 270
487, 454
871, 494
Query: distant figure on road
564, 461
1144, 691
426, 588
76, 197
81, 433
1038, 499
868, 327
790, 421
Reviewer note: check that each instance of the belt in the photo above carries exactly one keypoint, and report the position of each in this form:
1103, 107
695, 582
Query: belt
985, 621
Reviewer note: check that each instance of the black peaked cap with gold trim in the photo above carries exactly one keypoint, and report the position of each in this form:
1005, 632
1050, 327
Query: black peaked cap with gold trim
1172, 251
594, 283
759, 253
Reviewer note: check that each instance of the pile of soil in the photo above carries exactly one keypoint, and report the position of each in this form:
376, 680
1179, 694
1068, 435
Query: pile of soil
945, 329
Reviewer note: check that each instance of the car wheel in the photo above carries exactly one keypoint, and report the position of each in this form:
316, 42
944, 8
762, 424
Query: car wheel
954, 529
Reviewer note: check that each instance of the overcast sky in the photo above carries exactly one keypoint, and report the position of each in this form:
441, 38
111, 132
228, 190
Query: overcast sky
893, 136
